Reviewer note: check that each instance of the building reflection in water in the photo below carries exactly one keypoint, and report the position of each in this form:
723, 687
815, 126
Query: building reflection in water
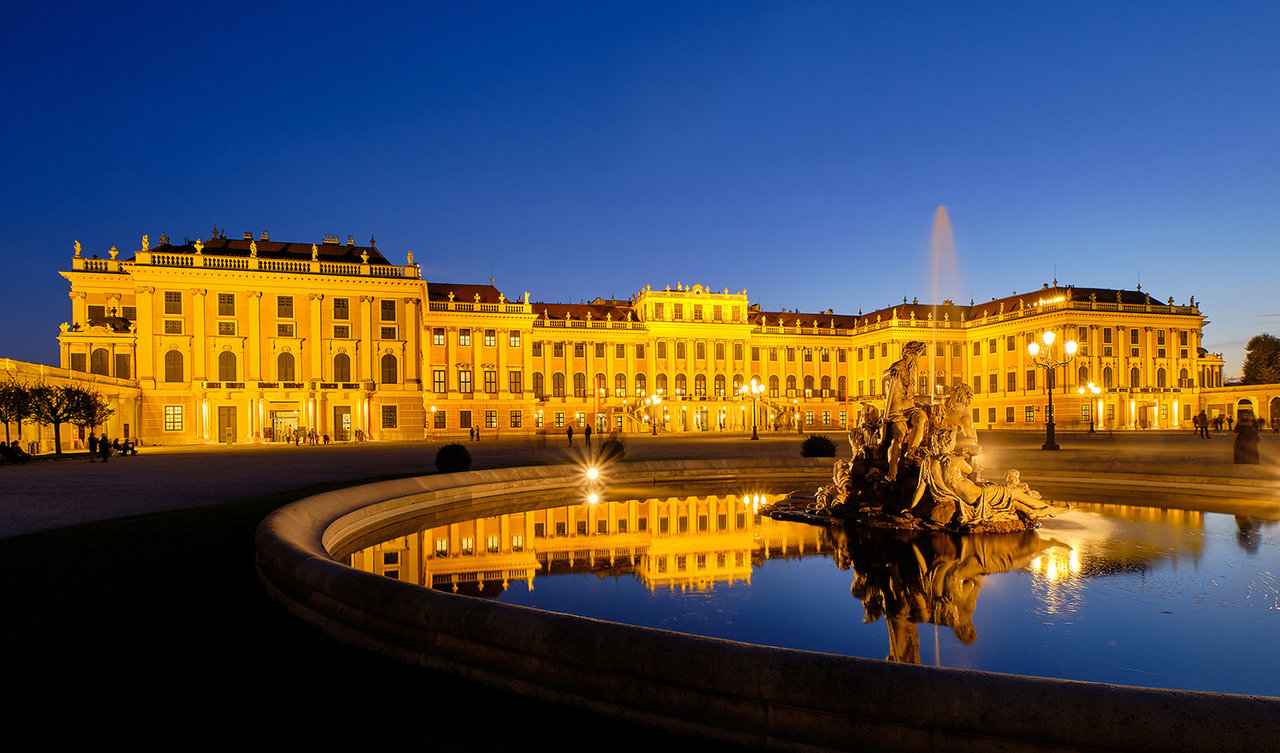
694, 543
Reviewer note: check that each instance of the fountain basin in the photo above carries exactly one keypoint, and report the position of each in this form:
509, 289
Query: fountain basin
733, 691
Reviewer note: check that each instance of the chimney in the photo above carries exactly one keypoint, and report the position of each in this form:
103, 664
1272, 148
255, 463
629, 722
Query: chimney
248, 236
264, 236
351, 241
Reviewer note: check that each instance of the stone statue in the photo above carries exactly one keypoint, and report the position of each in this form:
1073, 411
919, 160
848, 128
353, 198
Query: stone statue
253, 249
77, 249
315, 252
113, 252
984, 505
904, 417
199, 247
146, 242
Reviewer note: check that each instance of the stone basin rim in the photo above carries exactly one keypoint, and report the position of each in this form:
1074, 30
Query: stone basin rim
741, 693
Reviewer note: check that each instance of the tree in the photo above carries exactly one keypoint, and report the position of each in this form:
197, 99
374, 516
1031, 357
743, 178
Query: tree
15, 404
92, 409
1262, 360
56, 406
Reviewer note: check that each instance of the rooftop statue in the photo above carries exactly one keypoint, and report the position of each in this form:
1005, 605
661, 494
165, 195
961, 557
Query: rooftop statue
915, 468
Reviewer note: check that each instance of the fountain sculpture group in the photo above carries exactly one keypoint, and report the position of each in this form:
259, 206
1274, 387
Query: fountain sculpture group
913, 467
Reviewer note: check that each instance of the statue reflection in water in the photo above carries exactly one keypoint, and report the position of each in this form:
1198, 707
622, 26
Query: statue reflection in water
934, 577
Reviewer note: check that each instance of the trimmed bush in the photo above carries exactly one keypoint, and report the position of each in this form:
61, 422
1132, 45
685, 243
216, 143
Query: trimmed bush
818, 446
453, 458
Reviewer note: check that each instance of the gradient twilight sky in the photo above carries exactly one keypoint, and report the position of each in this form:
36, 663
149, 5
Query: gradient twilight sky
581, 149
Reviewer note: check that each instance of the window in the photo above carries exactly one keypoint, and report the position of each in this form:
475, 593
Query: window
680, 349
619, 351
464, 338
773, 354
662, 349
1009, 414
697, 312
172, 302
755, 352
537, 350
700, 350
640, 385
173, 366
491, 419
719, 385
1011, 381
437, 336
993, 382
341, 309
1134, 378
439, 382
284, 367
657, 311
513, 338
557, 384
737, 351
977, 348
173, 418
559, 419
464, 381
464, 419
342, 331
1031, 379
1010, 343
791, 354
1029, 415
388, 310
342, 368
682, 384
977, 385
991, 346
808, 355
490, 338
440, 421
660, 384
579, 350
226, 366
620, 385
579, 385
557, 350
491, 383
640, 351
539, 387
387, 333
517, 419
226, 328
129, 312
390, 369
100, 362
679, 311
700, 385
389, 417
77, 361
284, 306
173, 326
515, 383
122, 365
719, 351
97, 312
226, 304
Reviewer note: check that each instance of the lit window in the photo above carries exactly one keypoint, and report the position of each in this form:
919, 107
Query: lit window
173, 418
389, 417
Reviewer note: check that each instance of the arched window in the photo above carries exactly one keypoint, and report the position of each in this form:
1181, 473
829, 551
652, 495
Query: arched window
773, 386
719, 385
539, 385
1182, 379
682, 385
1108, 381
826, 386
390, 369
840, 388
284, 367
579, 385
600, 385
342, 368
1134, 377
1082, 375
700, 385
660, 384
173, 366
737, 383
620, 385
808, 386
226, 366
791, 386
641, 384
1161, 379
100, 362
557, 384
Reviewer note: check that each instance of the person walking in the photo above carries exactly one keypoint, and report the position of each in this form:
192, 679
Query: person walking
586, 433
93, 447
569, 431
104, 447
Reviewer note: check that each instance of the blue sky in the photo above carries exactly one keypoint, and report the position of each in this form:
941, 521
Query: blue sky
577, 149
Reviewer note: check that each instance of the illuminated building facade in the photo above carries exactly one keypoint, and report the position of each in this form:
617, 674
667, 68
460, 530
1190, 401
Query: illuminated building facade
252, 340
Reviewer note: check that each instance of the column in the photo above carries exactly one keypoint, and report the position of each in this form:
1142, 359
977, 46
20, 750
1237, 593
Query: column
253, 339
315, 356
199, 341
145, 363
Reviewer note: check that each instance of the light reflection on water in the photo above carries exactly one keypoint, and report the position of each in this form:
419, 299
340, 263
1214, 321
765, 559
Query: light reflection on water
1109, 593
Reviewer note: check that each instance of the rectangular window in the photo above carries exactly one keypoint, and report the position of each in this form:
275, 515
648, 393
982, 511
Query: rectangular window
737, 351
387, 333
977, 385
439, 382
657, 311
513, 338
719, 351
491, 419
640, 351
680, 349
791, 354
716, 313
491, 382
226, 304
122, 365
1029, 415
464, 338
515, 382
342, 331
437, 336
1010, 343
619, 351
1133, 336
977, 348
579, 350
129, 312
173, 326
389, 417
1082, 335
517, 419
226, 328
991, 345
388, 310
97, 312
490, 338
679, 312
1011, 381
559, 419
993, 382
464, 381
172, 302
537, 350
1009, 414
440, 421
991, 415
581, 419
697, 312
284, 329
662, 349
341, 309
1031, 379
173, 418
284, 306
755, 353
464, 419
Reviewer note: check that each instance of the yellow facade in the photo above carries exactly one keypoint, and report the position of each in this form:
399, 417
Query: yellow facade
248, 340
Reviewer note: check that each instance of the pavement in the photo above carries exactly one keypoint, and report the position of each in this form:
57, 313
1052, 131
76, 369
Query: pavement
52, 494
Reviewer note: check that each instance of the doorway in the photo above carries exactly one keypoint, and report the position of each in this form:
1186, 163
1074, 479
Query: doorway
342, 423
226, 423
283, 424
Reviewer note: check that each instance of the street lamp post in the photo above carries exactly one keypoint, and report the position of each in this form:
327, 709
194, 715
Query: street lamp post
1091, 392
1048, 363
654, 401
754, 389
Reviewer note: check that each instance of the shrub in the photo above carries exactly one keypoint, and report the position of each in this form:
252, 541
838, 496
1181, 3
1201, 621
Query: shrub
453, 458
818, 446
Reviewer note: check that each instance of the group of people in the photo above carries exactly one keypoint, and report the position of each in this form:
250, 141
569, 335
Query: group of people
13, 452
1202, 423
105, 447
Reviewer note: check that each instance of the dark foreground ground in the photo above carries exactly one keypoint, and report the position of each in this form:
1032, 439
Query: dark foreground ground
151, 629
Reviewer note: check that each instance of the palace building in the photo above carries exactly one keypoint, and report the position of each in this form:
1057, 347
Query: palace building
251, 340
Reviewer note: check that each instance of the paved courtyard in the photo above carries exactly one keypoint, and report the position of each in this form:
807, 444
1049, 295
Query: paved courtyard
46, 495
